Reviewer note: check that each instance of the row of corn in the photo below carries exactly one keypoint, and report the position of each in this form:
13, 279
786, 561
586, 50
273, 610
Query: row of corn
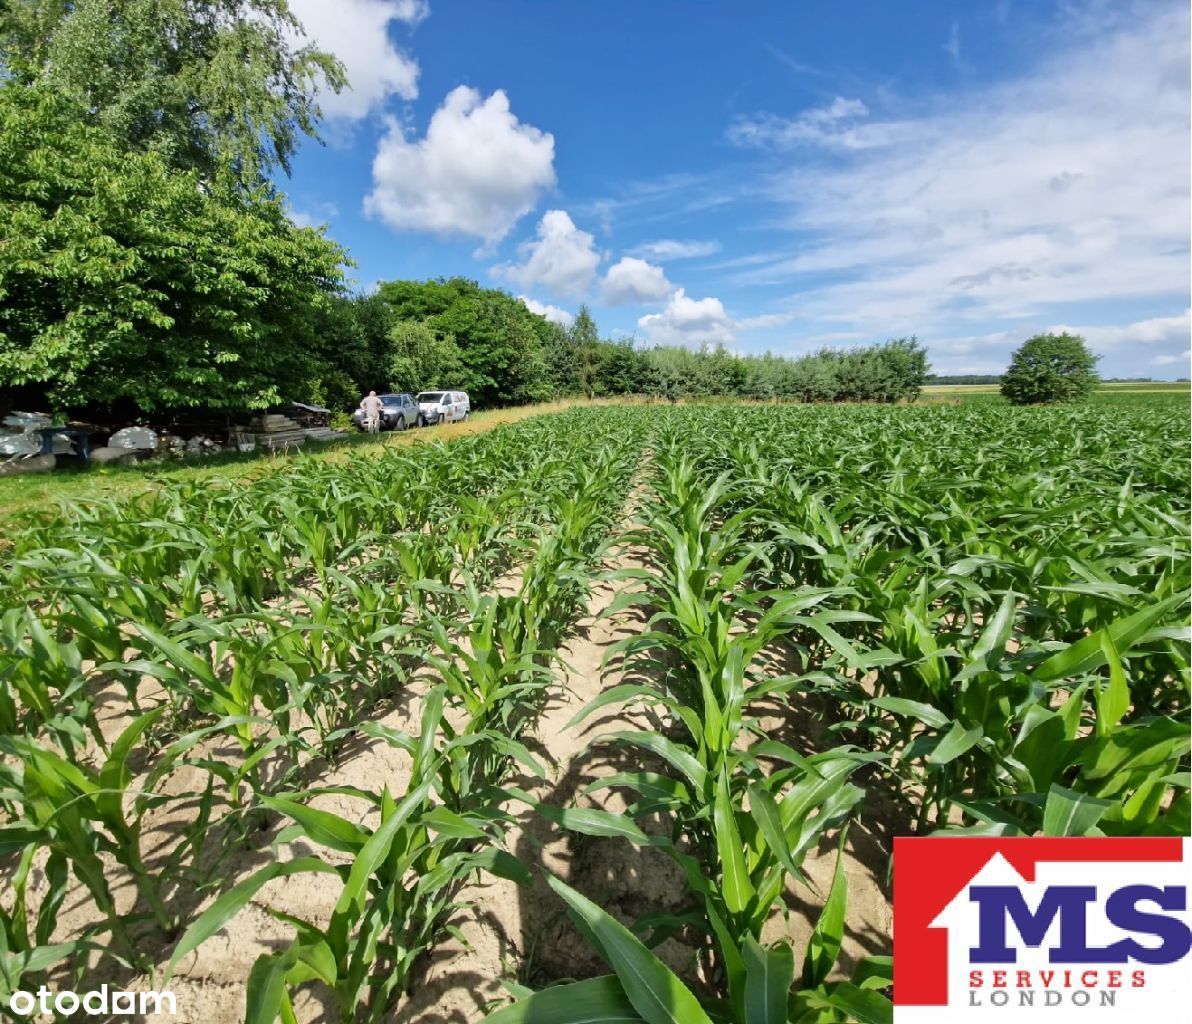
209, 653
984, 610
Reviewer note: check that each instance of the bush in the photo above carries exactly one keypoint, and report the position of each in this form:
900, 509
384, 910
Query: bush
1050, 368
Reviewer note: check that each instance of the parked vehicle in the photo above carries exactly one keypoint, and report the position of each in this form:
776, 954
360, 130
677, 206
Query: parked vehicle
444, 406
397, 412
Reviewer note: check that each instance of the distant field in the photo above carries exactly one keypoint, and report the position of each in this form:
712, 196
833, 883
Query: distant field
1136, 390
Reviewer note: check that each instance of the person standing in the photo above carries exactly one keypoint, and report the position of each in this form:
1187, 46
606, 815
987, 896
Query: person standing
371, 405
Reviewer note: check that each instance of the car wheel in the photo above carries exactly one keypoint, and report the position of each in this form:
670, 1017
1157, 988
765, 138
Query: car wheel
466, 415
399, 423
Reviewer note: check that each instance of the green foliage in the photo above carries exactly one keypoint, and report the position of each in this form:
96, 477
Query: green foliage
124, 280
488, 343
894, 371
215, 86
422, 360
452, 333
1050, 368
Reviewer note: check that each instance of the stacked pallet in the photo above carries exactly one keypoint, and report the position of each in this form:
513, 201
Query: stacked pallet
276, 432
322, 434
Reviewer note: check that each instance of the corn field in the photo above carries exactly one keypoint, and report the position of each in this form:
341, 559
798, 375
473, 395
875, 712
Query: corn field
976, 616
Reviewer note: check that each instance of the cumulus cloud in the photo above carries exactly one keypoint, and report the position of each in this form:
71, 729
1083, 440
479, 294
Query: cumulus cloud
357, 32
630, 281
668, 249
477, 171
563, 259
687, 321
552, 313
1009, 204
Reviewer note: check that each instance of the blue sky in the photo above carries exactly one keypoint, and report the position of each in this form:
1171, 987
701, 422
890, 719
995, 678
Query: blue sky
775, 175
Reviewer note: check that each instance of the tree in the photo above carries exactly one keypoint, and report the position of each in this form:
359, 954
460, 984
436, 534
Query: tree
422, 360
1050, 368
585, 340
502, 351
123, 281
223, 87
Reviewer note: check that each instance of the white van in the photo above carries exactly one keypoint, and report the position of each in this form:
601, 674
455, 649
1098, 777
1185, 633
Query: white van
443, 406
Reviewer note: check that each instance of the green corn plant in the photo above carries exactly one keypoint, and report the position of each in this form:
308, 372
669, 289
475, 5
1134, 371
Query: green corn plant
43, 687
77, 813
763, 989
398, 890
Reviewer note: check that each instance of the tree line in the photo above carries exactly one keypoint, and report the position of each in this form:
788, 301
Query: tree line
451, 333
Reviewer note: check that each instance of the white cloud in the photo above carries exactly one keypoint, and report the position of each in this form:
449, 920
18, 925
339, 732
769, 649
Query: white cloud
631, 281
357, 32
687, 321
838, 126
1066, 186
320, 215
668, 249
477, 171
1184, 357
1162, 330
765, 320
552, 313
952, 46
563, 259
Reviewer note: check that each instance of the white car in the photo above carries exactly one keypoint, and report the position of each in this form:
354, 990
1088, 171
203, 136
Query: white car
443, 406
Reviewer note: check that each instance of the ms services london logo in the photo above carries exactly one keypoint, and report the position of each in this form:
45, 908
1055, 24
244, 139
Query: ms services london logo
1076, 929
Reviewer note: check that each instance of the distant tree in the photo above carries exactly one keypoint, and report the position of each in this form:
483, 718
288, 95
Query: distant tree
502, 351
905, 364
1050, 368
222, 87
583, 330
964, 378
585, 340
561, 358
622, 369
726, 373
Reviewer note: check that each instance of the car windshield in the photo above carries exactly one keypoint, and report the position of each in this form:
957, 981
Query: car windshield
430, 396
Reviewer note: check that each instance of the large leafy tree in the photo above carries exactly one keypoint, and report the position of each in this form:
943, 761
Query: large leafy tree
502, 352
125, 280
223, 87
1050, 368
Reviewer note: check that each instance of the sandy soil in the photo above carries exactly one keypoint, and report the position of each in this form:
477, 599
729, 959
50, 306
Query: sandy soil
525, 936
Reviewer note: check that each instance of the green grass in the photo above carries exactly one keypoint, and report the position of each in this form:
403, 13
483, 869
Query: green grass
29, 497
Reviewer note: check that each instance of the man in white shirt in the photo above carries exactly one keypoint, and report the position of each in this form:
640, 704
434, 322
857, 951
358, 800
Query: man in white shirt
371, 405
